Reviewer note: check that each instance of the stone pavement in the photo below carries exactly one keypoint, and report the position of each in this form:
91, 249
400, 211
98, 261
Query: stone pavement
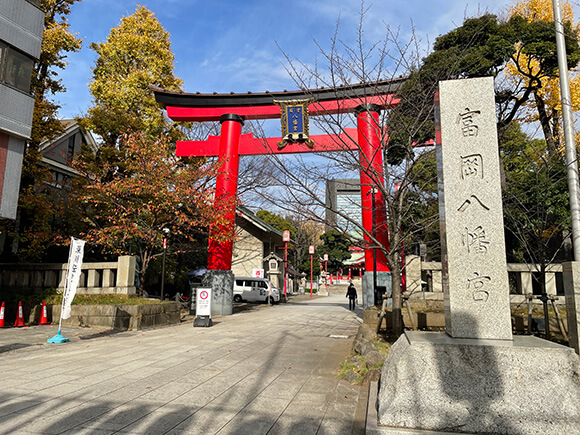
269, 370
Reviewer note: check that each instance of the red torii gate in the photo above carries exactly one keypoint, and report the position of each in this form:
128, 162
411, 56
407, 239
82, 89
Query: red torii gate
366, 100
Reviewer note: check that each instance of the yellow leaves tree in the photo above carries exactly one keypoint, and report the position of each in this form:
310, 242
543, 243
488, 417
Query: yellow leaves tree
136, 54
544, 106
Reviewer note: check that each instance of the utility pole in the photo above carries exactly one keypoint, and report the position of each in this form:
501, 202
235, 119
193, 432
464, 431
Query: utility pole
571, 161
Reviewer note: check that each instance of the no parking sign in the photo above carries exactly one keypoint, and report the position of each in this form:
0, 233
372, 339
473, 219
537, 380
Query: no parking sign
203, 307
203, 302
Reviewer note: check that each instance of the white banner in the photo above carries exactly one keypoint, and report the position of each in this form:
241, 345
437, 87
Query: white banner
75, 262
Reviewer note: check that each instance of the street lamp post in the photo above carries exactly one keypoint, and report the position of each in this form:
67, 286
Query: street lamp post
286, 239
326, 273
311, 252
165, 234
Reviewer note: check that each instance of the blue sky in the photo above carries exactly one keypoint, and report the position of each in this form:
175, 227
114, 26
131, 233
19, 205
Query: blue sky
232, 45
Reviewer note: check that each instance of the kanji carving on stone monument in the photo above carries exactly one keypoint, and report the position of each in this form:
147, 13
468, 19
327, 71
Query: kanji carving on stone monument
467, 123
471, 166
473, 200
475, 240
477, 283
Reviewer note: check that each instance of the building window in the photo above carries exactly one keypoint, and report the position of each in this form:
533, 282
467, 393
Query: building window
15, 68
71, 146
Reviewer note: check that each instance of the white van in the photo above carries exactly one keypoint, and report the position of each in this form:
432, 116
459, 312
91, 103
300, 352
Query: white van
251, 289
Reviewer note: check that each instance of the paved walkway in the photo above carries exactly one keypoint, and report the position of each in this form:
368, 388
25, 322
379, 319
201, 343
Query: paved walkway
270, 370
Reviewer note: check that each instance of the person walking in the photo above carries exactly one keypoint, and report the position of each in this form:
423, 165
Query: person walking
352, 296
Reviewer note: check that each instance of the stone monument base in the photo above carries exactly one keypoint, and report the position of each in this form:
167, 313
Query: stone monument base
221, 283
368, 293
431, 381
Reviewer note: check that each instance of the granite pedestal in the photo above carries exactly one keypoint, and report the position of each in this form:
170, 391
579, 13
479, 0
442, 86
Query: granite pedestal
368, 294
221, 283
526, 385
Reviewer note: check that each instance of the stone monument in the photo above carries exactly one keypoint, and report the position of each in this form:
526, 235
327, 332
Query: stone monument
471, 213
475, 377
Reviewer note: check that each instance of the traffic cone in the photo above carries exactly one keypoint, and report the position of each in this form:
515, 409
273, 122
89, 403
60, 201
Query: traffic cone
2, 316
20, 317
43, 316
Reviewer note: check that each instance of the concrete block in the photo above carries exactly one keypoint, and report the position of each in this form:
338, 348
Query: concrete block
108, 278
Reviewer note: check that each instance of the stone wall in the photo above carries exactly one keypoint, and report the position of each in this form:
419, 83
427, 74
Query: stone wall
120, 317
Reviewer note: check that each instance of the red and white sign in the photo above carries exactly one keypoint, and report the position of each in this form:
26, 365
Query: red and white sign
203, 302
258, 273
325, 257
286, 236
311, 249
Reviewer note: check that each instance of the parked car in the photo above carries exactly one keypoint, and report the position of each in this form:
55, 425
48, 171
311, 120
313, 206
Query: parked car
252, 289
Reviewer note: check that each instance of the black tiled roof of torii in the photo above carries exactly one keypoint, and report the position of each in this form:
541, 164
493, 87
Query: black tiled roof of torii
184, 99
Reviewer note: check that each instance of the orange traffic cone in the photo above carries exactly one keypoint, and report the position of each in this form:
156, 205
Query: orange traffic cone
2, 316
43, 316
20, 317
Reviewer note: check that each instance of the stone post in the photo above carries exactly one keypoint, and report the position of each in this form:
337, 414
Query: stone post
475, 280
413, 274
126, 274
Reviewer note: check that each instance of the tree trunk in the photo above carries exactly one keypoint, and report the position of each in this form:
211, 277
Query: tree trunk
145, 259
545, 123
397, 299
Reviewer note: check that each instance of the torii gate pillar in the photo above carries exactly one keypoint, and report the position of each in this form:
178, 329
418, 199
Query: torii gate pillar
374, 213
220, 252
221, 239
